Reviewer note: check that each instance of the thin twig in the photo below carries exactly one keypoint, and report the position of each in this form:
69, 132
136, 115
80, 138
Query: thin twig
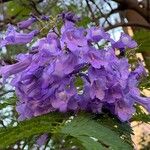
6, 92
33, 4
102, 14
92, 14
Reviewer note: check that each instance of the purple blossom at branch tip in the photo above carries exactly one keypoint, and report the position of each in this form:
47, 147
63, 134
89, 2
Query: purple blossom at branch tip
26, 23
95, 34
13, 37
125, 41
69, 16
45, 79
45, 18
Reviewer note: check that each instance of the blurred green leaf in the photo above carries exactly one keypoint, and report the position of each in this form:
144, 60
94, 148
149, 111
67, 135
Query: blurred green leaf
12, 51
142, 37
141, 115
28, 128
88, 132
85, 129
11, 101
18, 8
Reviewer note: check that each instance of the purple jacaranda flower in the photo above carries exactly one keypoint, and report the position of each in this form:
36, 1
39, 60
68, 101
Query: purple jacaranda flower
50, 44
45, 78
26, 23
144, 101
113, 93
95, 106
96, 74
69, 16
85, 98
9, 70
124, 42
95, 34
62, 97
97, 90
42, 139
65, 64
74, 39
95, 58
140, 71
24, 111
123, 111
45, 18
13, 37
120, 68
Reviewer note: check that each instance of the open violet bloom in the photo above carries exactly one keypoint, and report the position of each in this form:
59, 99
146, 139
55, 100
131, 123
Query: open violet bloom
13, 37
45, 79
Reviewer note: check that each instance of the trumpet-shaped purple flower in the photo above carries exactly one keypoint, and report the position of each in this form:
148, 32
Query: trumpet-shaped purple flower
62, 97
69, 16
13, 37
95, 34
125, 41
26, 23
20, 66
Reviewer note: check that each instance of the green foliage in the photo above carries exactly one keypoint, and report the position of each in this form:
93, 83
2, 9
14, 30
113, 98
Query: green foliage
141, 115
93, 133
85, 21
145, 84
28, 128
124, 130
84, 130
12, 51
11, 101
18, 8
143, 39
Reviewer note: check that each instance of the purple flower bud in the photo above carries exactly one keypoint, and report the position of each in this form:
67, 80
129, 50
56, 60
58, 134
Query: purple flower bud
69, 16
26, 23
45, 18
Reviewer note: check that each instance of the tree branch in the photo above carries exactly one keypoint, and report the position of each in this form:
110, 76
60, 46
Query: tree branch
4, 1
135, 24
102, 15
134, 5
33, 5
6, 92
92, 14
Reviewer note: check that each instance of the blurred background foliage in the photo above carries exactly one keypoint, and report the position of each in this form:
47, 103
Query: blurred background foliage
115, 16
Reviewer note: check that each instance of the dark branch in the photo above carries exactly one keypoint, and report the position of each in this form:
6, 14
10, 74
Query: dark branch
33, 5
102, 15
4, 1
134, 5
94, 19
132, 24
6, 92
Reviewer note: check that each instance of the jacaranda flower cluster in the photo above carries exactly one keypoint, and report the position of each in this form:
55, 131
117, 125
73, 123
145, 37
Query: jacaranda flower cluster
70, 72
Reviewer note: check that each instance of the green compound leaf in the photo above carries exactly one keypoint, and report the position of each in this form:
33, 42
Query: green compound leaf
92, 134
89, 133
28, 128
